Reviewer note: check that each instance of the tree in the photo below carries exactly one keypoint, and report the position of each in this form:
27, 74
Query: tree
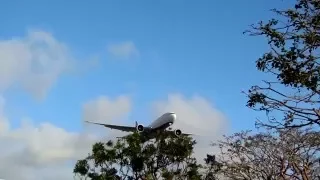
293, 59
129, 158
283, 154
212, 168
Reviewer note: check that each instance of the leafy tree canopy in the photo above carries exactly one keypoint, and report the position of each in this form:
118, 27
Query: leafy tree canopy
130, 158
294, 40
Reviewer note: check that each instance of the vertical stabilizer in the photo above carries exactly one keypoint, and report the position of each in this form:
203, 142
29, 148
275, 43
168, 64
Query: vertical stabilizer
136, 124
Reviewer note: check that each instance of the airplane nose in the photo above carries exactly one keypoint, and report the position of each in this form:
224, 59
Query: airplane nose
173, 116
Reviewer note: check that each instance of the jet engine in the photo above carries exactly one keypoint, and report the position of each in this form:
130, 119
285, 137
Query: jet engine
177, 132
140, 128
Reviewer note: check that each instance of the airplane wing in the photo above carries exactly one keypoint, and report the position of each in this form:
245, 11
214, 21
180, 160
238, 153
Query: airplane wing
117, 127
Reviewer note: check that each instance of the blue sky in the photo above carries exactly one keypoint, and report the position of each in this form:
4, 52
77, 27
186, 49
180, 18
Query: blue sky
190, 56
185, 47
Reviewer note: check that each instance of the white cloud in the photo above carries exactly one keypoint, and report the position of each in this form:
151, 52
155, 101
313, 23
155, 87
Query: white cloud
33, 62
123, 50
106, 110
195, 115
103, 109
43, 151
4, 123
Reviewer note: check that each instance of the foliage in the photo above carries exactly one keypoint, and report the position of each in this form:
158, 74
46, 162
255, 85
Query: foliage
284, 154
293, 58
129, 158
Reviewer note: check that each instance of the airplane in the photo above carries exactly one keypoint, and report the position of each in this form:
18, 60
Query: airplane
159, 126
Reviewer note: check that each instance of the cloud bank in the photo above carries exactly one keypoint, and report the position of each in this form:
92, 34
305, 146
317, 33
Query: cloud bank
38, 151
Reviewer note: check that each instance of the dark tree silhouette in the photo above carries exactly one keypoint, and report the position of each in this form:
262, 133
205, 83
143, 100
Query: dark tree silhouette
130, 158
294, 40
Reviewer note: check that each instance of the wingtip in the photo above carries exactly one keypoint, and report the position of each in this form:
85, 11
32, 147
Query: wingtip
90, 122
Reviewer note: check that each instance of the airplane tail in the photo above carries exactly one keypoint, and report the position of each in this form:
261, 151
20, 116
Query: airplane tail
136, 123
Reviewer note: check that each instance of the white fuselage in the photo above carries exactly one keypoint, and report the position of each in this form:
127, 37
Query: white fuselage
164, 121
